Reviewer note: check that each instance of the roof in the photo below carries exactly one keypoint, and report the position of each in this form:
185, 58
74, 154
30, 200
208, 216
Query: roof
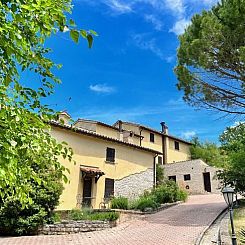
102, 124
103, 137
155, 131
91, 170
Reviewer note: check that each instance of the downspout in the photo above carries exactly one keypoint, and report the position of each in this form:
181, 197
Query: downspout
154, 171
164, 145
141, 137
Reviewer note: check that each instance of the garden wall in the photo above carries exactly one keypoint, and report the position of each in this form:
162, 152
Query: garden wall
68, 227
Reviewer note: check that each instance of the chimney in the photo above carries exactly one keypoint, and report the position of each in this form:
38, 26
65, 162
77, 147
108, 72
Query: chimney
164, 128
64, 118
120, 126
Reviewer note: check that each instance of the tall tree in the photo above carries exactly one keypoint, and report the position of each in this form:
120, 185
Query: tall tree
210, 153
233, 142
211, 59
24, 137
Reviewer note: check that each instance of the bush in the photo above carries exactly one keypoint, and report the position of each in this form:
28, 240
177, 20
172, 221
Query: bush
167, 192
119, 203
89, 214
19, 219
56, 218
111, 216
145, 202
182, 195
159, 174
79, 214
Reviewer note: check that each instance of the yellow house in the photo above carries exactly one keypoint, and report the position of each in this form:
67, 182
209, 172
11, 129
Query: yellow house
172, 148
106, 165
117, 160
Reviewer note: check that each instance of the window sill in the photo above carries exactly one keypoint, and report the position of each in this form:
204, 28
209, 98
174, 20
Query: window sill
109, 162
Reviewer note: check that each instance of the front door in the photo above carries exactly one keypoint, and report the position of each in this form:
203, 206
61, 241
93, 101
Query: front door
87, 192
207, 182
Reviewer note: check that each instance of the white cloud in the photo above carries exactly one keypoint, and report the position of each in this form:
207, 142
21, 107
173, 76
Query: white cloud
170, 59
118, 6
102, 88
140, 40
176, 6
188, 134
180, 26
155, 21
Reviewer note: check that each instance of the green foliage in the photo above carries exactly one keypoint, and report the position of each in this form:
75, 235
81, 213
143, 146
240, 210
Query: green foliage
145, 202
119, 203
56, 218
242, 234
110, 216
181, 195
233, 138
167, 192
232, 141
211, 58
19, 219
88, 214
159, 174
210, 153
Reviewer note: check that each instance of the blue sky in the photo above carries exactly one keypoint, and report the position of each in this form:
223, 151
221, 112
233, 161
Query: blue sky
128, 74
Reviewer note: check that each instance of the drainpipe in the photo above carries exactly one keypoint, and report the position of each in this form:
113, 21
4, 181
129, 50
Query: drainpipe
154, 171
141, 136
164, 145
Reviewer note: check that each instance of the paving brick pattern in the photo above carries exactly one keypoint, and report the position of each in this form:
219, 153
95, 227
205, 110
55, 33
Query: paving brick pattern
179, 225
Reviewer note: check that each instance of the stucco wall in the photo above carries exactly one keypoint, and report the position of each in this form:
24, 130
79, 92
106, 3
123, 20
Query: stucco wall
135, 184
110, 132
173, 155
156, 145
195, 168
91, 151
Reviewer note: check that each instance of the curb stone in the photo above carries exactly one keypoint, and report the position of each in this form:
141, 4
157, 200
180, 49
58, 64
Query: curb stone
200, 237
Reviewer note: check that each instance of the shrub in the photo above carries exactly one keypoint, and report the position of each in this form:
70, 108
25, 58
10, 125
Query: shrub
111, 216
19, 219
80, 214
119, 203
182, 195
89, 214
56, 218
159, 174
145, 202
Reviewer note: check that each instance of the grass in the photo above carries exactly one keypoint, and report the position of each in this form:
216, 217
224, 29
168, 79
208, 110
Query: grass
239, 220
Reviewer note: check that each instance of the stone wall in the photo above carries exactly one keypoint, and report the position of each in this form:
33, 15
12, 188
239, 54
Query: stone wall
69, 227
195, 168
135, 184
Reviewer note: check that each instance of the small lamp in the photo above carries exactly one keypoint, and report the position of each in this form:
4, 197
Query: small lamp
228, 194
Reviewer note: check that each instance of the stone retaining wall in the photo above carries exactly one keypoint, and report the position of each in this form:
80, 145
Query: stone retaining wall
68, 227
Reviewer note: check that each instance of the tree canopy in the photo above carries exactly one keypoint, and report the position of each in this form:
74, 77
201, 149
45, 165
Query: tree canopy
209, 152
233, 142
211, 59
24, 135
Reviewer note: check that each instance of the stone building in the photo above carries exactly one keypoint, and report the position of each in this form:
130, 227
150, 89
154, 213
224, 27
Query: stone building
194, 175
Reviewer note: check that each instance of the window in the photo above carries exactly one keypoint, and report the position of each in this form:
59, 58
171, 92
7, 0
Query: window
160, 160
152, 136
110, 154
176, 145
109, 188
187, 177
172, 178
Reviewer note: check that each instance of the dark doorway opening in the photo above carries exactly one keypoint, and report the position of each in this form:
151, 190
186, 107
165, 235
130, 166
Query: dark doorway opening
87, 192
207, 182
173, 177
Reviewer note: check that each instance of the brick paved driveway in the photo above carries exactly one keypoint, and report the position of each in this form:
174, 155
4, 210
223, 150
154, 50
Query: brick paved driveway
179, 225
